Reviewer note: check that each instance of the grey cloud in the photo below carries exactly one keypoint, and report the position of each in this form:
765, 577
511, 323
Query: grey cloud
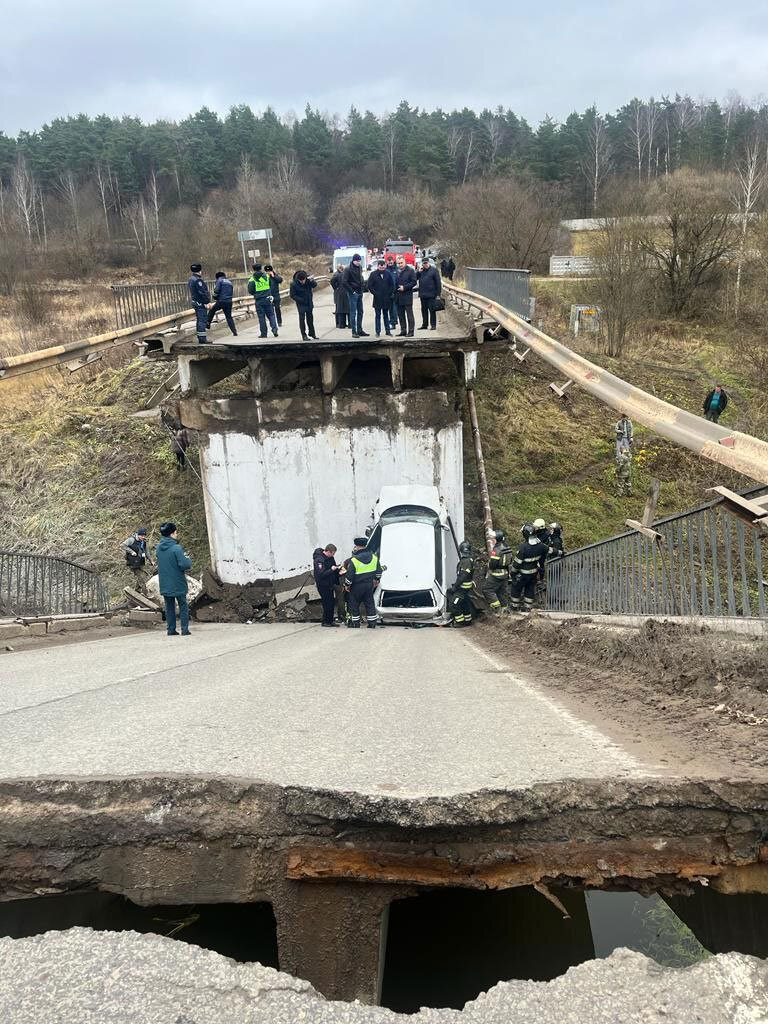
166, 58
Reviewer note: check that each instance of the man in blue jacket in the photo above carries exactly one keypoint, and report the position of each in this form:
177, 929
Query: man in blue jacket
172, 565
222, 296
199, 296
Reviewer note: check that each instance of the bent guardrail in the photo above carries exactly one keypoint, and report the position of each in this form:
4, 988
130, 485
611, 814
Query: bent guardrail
740, 452
708, 562
45, 585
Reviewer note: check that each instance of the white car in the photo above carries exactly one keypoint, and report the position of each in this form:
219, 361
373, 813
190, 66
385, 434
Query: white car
415, 540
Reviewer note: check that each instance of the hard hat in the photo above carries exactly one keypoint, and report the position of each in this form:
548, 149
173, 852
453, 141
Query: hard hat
499, 535
555, 527
526, 529
539, 524
465, 548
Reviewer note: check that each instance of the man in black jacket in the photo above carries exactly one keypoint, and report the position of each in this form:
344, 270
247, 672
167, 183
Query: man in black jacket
301, 293
450, 268
137, 557
430, 286
352, 283
715, 403
326, 579
274, 289
199, 296
341, 306
406, 282
392, 270
222, 300
382, 288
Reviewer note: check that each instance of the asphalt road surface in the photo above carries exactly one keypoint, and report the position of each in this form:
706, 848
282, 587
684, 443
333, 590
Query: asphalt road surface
398, 711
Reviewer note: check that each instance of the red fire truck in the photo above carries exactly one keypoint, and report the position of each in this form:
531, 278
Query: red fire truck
404, 247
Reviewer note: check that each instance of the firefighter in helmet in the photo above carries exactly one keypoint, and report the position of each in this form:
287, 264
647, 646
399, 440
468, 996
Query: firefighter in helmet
461, 603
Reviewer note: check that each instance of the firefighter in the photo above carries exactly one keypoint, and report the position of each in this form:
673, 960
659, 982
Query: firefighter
525, 566
495, 587
360, 580
556, 539
461, 603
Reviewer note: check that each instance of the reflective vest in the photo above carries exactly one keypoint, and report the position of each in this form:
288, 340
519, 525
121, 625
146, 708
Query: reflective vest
260, 285
363, 568
465, 572
498, 563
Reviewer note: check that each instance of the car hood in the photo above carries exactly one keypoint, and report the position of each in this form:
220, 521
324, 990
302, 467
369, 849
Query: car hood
408, 551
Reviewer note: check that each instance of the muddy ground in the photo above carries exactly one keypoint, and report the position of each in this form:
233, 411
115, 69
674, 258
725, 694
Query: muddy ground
681, 698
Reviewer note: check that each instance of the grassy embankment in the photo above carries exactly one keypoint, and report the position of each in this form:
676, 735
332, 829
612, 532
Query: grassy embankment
554, 458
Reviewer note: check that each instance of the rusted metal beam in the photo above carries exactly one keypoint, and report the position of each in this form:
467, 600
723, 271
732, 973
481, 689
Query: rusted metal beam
697, 859
740, 452
482, 479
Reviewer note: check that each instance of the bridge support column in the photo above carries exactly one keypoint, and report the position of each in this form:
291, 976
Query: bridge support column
333, 934
195, 374
266, 373
332, 369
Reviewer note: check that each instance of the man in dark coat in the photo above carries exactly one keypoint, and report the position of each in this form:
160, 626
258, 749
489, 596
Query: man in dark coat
274, 290
199, 296
340, 304
715, 403
444, 266
222, 300
430, 286
301, 293
172, 565
406, 282
393, 309
352, 283
382, 287
450, 268
326, 579
137, 557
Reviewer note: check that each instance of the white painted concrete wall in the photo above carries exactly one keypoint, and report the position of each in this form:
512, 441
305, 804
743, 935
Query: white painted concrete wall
292, 491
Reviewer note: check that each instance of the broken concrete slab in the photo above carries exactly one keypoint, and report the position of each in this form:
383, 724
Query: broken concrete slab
144, 617
85, 977
144, 602
74, 623
10, 630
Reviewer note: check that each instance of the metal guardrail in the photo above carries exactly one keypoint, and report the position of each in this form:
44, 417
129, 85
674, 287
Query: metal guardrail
708, 563
741, 452
510, 288
46, 585
138, 303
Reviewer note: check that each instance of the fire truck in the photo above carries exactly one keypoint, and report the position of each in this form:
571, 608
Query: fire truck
404, 247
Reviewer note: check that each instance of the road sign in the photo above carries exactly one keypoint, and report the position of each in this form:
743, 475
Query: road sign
253, 253
253, 235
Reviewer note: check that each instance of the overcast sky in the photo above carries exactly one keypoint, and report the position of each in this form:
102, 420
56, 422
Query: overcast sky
166, 58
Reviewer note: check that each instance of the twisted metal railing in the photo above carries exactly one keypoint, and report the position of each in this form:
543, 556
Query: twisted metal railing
139, 303
45, 585
708, 562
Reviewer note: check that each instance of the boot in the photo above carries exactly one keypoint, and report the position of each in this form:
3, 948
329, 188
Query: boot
403, 334
303, 337
389, 334
353, 625
410, 334
424, 327
362, 334
371, 625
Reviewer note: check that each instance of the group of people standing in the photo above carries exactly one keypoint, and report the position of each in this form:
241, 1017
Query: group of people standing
346, 590
392, 285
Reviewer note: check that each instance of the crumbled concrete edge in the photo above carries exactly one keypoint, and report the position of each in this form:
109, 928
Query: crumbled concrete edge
84, 977
26, 626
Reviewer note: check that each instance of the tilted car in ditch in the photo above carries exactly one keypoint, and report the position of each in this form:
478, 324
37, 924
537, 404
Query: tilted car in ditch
415, 540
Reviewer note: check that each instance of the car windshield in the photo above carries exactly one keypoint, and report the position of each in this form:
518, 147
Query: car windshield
409, 514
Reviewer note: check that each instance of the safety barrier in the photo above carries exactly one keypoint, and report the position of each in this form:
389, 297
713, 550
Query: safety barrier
706, 562
46, 585
510, 288
137, 303
741, 452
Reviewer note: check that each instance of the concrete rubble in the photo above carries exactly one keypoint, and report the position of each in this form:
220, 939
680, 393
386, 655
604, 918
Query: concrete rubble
86, 977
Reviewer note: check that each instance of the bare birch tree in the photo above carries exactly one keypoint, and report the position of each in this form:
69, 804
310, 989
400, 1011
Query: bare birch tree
750, 173
104, 185
597, 159
66, 188
25, 195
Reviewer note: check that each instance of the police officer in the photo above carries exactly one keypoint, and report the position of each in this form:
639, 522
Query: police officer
274, 288
461, 603
496, 584
260, 287
137, 557
199, 296
361, 579
525, 565
326, 573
